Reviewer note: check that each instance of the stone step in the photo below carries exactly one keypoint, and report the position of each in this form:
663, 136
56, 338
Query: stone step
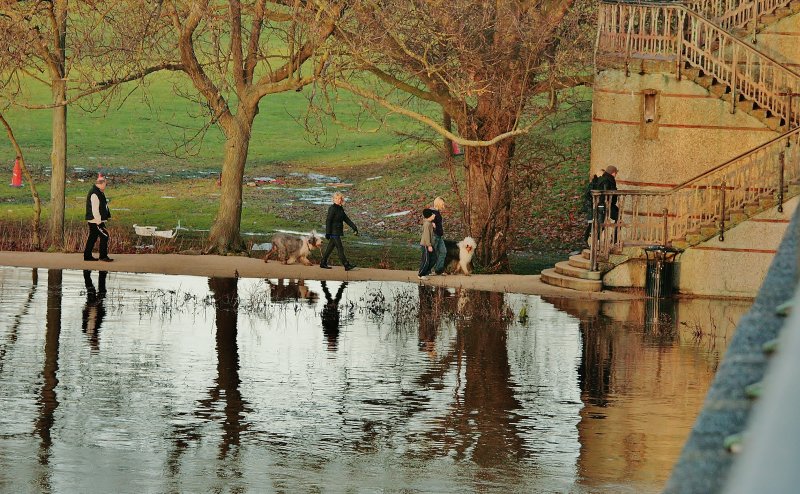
692, 72
551, 277
708, 230
767, 201
579, 262
680, 243
566, 269
718, 90
706, 81
760, 113
745, 105
737, 216
694, 238
751, 209
773, 123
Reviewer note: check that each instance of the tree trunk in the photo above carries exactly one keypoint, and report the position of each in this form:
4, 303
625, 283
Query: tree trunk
488, 202
58, 161
225, 232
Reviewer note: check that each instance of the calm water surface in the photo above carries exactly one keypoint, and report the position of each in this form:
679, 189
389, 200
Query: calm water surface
146, 383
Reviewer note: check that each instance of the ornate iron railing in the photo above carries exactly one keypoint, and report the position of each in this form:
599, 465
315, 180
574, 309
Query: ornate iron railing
731, 14
672, 32
706, 201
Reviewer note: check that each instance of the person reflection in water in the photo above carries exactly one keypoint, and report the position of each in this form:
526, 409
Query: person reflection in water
430, 315
93, 310
331, 318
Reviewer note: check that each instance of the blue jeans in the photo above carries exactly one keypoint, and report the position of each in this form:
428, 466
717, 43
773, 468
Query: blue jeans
441, 252
426, 261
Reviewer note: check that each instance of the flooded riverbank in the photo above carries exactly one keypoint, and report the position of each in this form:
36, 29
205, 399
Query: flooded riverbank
140, 383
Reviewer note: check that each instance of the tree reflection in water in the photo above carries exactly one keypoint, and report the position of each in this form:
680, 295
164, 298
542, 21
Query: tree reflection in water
225, 393
482, 423
48, 399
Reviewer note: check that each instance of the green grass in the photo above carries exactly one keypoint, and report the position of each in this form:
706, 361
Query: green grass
143, 132
148, 187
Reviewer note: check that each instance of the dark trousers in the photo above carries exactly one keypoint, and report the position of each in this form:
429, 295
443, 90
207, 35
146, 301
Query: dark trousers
96, 231
426, 262
334, 241
441, 253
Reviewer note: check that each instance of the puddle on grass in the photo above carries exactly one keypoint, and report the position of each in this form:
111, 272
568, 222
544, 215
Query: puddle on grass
150, 383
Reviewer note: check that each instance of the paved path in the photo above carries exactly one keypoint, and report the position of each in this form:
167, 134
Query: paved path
229, 266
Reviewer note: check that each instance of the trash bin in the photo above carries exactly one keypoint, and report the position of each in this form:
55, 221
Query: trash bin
660, 270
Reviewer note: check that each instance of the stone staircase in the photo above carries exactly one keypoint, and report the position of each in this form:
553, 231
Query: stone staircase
791, 8
733, 218
576, 274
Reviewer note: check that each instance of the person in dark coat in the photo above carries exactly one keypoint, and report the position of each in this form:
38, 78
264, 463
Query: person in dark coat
606, 182
334, 231
608, 204
97, 213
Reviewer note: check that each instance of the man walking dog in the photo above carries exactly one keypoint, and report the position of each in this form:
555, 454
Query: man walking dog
97, 213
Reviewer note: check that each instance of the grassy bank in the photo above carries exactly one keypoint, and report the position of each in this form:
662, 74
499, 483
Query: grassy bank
288, 179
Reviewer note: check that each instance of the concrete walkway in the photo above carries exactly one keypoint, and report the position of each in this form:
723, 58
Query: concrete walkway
244, 267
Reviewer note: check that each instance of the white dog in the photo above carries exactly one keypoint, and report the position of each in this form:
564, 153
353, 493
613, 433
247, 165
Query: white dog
460, 254
291, 248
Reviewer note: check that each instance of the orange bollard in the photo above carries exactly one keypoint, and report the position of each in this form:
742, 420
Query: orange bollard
16, 175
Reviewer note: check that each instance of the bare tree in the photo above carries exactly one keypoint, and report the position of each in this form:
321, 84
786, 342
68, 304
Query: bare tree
494, 67
106, 48
235, 53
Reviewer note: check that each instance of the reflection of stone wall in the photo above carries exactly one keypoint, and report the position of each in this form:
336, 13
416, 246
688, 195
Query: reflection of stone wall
643, 381
695, 129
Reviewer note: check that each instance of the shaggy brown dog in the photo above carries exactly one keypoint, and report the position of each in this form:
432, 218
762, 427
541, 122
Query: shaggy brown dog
291, 248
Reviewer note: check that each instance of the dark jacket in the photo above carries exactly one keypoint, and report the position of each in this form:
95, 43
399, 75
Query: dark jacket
438, 223
105, 213
334, 225
608, 182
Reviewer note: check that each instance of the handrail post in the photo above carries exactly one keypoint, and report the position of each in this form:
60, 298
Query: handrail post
782, 162
722, 212
734, 68
755, 21
665, 243
679, 45
595, 238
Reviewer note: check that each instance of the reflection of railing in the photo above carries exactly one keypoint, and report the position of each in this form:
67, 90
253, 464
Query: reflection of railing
732, 14
706, 201
672, 32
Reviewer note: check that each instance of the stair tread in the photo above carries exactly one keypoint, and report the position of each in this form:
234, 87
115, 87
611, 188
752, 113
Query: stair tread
550, 277
566, 269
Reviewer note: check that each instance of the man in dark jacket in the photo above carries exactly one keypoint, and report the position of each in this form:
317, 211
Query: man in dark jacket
97, 213
334, 231
608, 203
606, 182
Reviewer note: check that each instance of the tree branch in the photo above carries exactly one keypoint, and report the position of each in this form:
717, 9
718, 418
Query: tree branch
429, 121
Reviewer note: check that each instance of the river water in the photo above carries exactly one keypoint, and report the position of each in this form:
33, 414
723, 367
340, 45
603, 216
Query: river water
116, 382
